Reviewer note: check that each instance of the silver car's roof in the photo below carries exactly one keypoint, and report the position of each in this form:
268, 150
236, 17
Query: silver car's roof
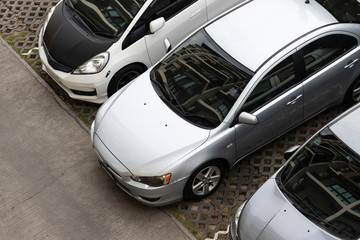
254, 32
347, 129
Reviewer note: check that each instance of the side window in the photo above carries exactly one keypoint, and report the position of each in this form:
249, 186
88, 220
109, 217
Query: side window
169, 8
279, 79
159, 8
326, 50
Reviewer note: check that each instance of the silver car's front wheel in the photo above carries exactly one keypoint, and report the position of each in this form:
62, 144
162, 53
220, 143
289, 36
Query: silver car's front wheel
356, 92
353, 94
204, 181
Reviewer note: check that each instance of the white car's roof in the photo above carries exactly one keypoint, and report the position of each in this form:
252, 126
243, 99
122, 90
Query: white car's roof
347, 129
254, 32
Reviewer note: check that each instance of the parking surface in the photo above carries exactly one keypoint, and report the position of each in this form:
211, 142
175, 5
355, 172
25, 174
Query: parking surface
20, 25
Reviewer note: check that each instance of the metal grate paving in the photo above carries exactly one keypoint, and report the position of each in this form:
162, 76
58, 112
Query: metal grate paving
20, 23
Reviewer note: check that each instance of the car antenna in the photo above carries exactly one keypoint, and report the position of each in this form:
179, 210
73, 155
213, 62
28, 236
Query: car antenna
307, 1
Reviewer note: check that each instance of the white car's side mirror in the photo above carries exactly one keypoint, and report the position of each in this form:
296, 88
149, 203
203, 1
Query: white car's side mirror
248, 118
157, 24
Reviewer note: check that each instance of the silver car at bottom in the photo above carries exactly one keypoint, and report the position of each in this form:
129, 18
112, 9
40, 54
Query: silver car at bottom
316, 195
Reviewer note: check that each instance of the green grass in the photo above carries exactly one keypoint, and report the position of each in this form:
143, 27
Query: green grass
181, 217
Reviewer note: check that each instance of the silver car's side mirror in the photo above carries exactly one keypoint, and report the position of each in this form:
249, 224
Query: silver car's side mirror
288, 153
167, 45
157, 24
248, 118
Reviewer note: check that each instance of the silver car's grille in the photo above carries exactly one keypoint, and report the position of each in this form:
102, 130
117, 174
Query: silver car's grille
106, 166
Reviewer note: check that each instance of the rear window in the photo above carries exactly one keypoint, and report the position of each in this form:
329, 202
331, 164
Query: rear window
346, 11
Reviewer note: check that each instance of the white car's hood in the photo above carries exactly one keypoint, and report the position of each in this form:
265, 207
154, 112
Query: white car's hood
269, 215
143, 133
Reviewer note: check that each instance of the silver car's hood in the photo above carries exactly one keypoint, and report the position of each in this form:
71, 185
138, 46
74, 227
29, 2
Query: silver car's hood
269, 215
143, 133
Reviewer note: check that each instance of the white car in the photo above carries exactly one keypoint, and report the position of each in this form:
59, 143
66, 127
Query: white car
93, 48
316, 195
227, 90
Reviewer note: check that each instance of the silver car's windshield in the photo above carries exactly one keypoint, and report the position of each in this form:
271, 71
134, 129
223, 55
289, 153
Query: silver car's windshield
323, 182
108, 17
343, 10
200, 80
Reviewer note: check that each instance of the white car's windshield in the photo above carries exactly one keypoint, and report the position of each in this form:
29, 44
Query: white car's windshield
201, 80
343, 10
107, 17
323, 182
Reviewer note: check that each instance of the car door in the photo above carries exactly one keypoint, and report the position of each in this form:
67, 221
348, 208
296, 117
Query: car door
181, 18
277, 103
330, 64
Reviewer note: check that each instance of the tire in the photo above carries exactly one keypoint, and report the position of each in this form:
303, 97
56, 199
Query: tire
123, 77
204, 180
353, 94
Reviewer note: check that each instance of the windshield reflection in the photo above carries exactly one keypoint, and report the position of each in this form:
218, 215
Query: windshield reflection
323, 180
110, 17
202, 79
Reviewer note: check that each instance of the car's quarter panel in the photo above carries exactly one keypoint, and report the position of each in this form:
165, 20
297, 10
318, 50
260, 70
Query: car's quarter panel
219, 146
261, 215
328, 86
175, 29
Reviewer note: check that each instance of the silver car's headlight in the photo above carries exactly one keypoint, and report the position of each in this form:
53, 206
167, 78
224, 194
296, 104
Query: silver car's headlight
153, 181
94, 65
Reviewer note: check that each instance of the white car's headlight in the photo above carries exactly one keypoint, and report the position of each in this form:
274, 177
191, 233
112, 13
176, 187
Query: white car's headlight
153, 181
94, 65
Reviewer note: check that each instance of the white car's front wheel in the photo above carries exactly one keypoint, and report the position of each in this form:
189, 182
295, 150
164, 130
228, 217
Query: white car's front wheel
123, 77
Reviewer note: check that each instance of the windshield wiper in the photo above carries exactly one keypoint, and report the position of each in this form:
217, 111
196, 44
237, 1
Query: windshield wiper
213, 121
161, 86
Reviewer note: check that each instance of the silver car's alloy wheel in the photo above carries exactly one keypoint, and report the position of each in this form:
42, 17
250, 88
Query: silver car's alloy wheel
206, 180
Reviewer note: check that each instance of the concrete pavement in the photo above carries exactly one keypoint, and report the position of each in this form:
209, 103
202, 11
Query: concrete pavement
51, 186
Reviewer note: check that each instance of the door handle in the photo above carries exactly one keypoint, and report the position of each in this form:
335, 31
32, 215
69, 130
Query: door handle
351, 63
293, 101
194, 14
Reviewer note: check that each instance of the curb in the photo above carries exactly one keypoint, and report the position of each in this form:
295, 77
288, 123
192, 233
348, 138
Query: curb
61, 103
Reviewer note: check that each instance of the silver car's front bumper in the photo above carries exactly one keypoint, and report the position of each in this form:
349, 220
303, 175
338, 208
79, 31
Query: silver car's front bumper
152, 196
234, 224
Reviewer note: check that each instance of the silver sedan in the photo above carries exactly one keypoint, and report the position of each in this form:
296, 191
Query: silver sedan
315, 195
234, 85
